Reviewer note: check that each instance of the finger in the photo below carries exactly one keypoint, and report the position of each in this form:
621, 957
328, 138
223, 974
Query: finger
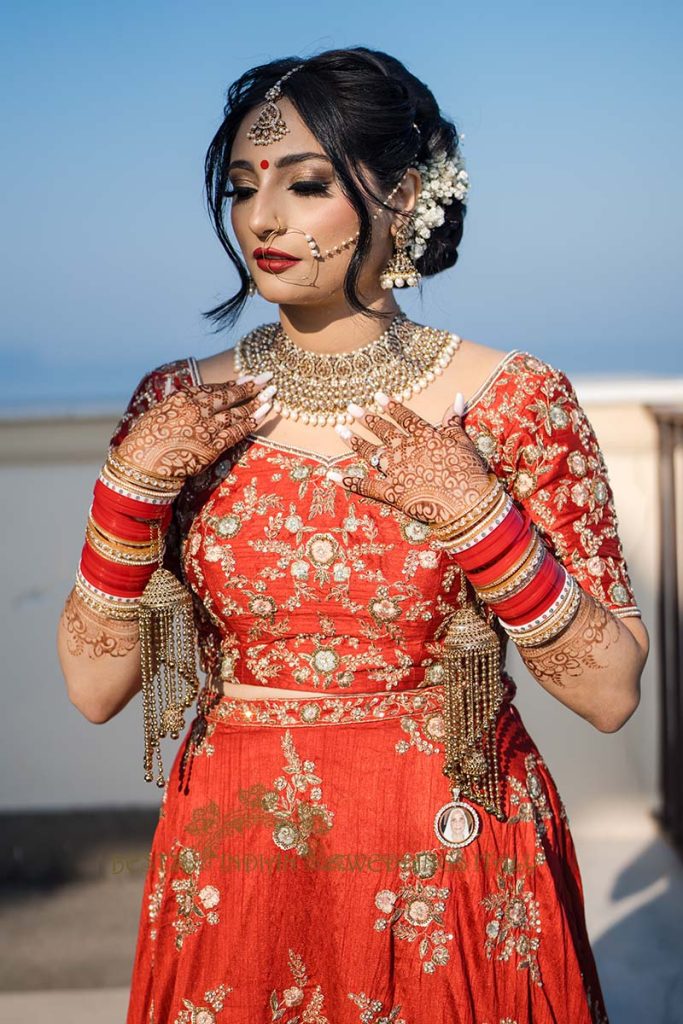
408, 419
454, 414
369, 486
359, 444
249, 407
229, 393
387, 431
364, 448
235, 428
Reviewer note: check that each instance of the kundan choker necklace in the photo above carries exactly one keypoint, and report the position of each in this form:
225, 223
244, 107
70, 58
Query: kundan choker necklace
316, 387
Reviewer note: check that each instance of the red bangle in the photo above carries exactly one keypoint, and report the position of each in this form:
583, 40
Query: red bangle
123, 581
112, 501
126, 527
114, 590
540, 608
536, 596
489, 573
494, 545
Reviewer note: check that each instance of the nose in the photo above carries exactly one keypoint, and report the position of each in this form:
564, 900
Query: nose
263, 218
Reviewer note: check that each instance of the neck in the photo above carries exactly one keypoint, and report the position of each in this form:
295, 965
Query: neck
330, 330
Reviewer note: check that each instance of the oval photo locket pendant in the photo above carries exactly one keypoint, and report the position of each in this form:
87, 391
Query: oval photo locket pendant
456, 823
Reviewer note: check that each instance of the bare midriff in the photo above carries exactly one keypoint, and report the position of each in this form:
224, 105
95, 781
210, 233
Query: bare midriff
246, 691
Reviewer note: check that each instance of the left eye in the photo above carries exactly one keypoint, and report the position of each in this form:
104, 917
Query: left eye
310, 188
302, 188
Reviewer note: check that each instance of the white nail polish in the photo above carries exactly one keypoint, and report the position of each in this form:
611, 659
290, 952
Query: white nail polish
343, 431
334, 474
267, 393
261, 411
261, 378
459, 404
356, 410
244, 378
382, 399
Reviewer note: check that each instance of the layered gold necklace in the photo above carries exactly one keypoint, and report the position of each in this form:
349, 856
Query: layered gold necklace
316, 387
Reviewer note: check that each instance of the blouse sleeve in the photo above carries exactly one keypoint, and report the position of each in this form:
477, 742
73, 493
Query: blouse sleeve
153, 387
553, 466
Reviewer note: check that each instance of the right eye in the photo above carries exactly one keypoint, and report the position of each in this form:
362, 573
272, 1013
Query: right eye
238, 193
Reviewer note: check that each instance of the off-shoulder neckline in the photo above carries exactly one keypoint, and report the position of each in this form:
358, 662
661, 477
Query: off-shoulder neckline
330, 460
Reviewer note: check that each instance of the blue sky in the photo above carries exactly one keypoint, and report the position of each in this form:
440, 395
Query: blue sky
572, 122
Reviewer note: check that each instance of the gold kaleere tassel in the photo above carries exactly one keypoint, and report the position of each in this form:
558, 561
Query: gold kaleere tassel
473, 697
168, 658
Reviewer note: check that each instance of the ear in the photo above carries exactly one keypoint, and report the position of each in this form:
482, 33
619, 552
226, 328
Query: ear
407, 196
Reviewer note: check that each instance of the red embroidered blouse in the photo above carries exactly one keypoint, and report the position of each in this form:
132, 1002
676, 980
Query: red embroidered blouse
299, 584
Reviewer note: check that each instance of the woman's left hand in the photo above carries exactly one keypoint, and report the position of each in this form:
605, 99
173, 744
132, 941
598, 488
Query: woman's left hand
433, 474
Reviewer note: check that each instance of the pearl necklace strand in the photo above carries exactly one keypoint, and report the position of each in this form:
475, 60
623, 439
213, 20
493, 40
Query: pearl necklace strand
316, 387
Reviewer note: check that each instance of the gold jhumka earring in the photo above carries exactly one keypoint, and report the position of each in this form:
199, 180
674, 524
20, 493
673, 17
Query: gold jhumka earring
473, 694
270, 126
400, 271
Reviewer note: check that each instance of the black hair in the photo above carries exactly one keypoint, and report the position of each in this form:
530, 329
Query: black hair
362, 106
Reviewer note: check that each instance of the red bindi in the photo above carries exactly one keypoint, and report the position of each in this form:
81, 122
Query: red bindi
265, 164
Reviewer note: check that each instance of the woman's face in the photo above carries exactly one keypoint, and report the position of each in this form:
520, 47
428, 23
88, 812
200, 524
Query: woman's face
283, 192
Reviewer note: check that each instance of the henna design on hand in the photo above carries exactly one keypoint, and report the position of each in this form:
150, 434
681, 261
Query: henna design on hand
434, 474
187, 431
99, 636
592, 631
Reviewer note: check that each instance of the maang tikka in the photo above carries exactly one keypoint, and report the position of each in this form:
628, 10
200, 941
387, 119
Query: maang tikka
270, 126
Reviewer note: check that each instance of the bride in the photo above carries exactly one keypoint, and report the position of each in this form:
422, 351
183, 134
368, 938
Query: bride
359, 512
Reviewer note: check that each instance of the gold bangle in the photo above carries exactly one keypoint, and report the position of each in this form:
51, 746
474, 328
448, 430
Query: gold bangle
121, 542
510, 577
563, 618
119, 557
524, 576
144, 476
122, 613
481, 529
453, 530
135, 491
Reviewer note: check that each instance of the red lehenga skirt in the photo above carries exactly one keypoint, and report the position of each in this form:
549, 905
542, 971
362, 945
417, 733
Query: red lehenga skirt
295, 876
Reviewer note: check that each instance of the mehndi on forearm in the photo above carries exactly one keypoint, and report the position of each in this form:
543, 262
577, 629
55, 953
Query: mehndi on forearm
579, 649
567, 639
93, 633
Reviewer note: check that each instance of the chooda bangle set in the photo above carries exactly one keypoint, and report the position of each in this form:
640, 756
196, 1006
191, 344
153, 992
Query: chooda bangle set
121, 577
512, 571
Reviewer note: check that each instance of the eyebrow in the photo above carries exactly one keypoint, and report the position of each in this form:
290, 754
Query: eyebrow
284, 161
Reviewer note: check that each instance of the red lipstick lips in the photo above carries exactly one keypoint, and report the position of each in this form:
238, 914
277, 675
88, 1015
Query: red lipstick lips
274, 260
274, 254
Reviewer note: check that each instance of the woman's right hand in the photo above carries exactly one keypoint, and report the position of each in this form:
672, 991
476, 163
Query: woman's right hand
184, 433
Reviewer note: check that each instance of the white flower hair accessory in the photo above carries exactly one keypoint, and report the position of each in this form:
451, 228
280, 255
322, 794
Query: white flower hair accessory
443, 180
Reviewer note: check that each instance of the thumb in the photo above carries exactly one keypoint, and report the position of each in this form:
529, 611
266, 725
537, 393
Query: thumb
453, 413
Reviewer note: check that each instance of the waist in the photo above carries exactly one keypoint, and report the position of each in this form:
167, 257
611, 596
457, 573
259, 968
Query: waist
333, 709
326, 672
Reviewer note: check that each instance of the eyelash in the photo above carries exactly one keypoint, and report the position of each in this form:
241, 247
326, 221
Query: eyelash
308, 189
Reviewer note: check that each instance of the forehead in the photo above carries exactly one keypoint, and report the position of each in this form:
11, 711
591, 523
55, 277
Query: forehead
299, 138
